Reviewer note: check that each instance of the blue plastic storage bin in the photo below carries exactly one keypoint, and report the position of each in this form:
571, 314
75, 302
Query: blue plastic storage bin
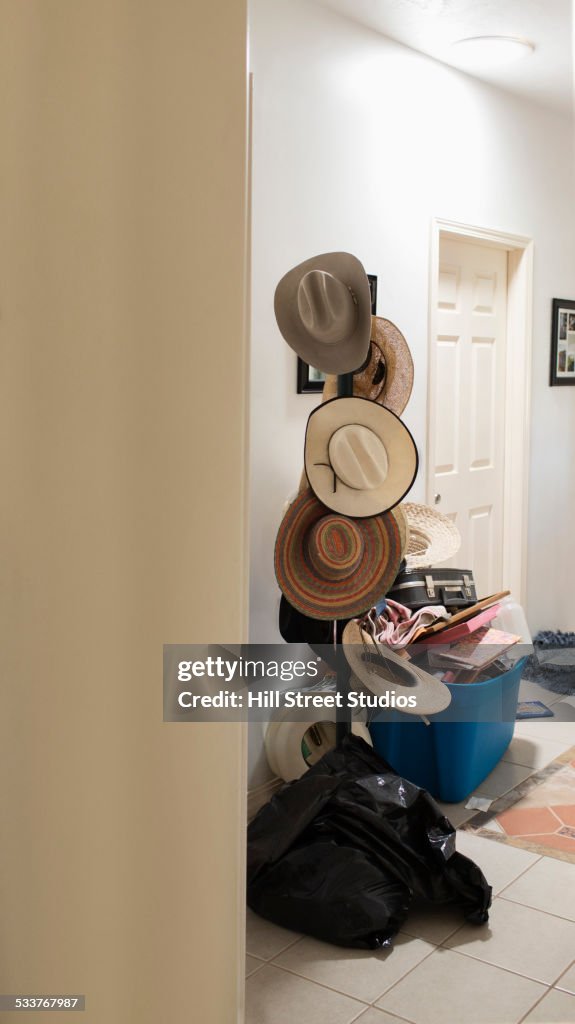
452, 756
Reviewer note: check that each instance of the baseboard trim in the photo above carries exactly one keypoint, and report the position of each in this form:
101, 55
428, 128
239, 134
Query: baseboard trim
259, 795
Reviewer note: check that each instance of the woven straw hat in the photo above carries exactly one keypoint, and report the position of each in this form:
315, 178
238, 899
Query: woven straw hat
360, 459
323, 310
433, 537
331, 567
380, 670
387, 377
403, 527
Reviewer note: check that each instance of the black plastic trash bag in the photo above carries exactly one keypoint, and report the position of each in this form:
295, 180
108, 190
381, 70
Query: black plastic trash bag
340, 853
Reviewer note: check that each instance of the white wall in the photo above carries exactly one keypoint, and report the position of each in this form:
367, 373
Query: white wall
357, 144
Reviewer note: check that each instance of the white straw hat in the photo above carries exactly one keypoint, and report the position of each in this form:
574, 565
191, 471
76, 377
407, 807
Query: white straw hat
433, 536
323, 310
360, 459
380, 670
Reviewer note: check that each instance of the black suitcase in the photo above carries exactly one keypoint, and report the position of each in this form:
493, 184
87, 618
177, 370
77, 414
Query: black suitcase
416, 588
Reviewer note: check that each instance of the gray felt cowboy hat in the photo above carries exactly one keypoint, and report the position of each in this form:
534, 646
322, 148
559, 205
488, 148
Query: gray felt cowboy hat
323, 310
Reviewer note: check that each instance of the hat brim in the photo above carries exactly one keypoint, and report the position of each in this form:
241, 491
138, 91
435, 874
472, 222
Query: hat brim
345, 356
401, 451
398, 385
433, 536
387, 343
334, 599
401, 520
381, 670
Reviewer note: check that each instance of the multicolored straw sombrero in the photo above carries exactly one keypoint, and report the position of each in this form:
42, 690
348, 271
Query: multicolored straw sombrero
332, 567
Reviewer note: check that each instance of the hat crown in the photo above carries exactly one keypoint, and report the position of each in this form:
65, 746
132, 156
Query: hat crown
371, 379
335, 547
358, 457
327, 307
418, 541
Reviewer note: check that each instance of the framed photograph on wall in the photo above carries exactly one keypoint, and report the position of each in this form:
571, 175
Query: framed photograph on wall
562, 342
308, 378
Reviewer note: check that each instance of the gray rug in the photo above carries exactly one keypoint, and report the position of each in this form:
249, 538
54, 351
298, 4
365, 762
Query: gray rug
552, 664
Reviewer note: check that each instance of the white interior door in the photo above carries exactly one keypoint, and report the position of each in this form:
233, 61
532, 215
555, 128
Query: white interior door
467, 403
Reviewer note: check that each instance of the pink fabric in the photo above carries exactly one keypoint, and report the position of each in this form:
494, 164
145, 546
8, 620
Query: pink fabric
397, 624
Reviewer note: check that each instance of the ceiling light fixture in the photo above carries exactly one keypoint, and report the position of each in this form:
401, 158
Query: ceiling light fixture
491, 51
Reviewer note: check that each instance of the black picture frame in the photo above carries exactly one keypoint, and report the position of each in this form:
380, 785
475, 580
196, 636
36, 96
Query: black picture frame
562, 370
310, 380
372, 278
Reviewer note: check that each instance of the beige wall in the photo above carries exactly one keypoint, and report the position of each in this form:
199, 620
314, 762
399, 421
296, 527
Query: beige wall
122, 412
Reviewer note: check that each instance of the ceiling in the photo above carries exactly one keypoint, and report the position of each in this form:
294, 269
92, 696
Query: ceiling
430, 26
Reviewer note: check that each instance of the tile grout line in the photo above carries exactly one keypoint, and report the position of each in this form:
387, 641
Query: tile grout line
411, 935
496, 896
403, 977
559, 917
548, 987
558, 979
499, 896
437, 945
320, 984
400, 1020
535, 1004
572, 964
366, 1003
498, 967
261, 963
552, 988
521, 873
534, 767
279, 952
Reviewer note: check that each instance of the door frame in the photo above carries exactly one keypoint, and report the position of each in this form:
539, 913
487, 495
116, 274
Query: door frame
519, 250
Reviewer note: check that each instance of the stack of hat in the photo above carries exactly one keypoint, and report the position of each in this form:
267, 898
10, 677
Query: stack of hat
342, 540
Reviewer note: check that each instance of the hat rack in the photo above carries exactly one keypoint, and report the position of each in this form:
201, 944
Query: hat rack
343, 713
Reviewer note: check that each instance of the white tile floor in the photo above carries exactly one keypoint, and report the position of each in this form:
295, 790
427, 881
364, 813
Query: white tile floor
518, 968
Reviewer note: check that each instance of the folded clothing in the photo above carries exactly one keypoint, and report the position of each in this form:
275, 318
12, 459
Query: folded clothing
397, 625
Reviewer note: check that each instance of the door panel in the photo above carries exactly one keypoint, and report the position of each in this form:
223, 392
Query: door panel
467, 402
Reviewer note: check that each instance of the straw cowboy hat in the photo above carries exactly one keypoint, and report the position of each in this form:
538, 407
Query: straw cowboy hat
433, 537
380, 670
323, 310
360, 459
387, 377
331, 567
